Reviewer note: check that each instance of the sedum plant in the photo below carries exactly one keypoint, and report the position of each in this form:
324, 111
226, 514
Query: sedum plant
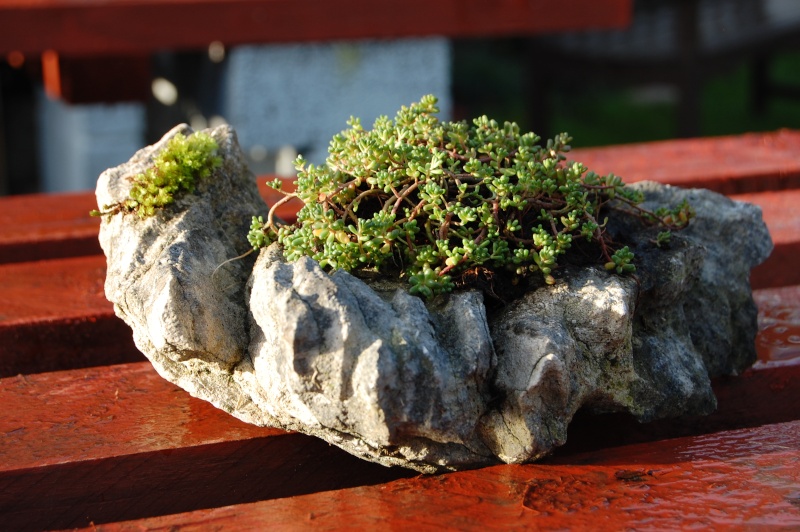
176, 169
436, 201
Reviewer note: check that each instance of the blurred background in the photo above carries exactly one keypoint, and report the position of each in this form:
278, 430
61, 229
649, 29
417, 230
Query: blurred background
668, 69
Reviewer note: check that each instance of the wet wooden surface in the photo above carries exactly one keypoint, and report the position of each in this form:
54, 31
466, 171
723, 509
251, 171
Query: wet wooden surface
58, 306
780, 212
745, 478
743, 163
119, 440
37, 227
54, 315
141, 447
91, 435
48, 226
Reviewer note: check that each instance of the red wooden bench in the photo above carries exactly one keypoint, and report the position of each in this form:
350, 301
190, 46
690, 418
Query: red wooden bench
87, 28
91, 435
98, 50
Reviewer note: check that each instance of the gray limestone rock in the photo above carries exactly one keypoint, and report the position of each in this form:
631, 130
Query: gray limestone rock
190, 321
438, 385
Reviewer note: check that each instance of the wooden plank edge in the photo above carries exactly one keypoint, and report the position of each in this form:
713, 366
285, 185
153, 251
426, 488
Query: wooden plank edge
50, 226
75, 494
741, 478
780, 213
720, 164
136, 27
42, 226
121, 441
55, 316
758, 397
752, 162
70, 343
116, 438
38, 334
778, 340
131, 396
47, 248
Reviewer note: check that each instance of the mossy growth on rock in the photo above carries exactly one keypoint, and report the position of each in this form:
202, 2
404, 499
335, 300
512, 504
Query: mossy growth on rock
176, 169
437, 201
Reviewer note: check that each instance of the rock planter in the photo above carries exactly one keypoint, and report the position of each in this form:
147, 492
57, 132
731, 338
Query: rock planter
430, 385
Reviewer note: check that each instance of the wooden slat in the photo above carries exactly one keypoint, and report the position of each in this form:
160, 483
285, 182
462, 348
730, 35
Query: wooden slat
96, 413
120, 442
778, 340
54, 315
736, 164
745, 478
93, 80
781, 212
56, 225
95, 27
131, 438
50, 226
47, 226
123, 410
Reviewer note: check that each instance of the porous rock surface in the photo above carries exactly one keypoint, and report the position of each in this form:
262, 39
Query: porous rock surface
432, 385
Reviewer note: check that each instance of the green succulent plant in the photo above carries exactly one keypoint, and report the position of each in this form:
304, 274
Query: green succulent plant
176, 169
431, 201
